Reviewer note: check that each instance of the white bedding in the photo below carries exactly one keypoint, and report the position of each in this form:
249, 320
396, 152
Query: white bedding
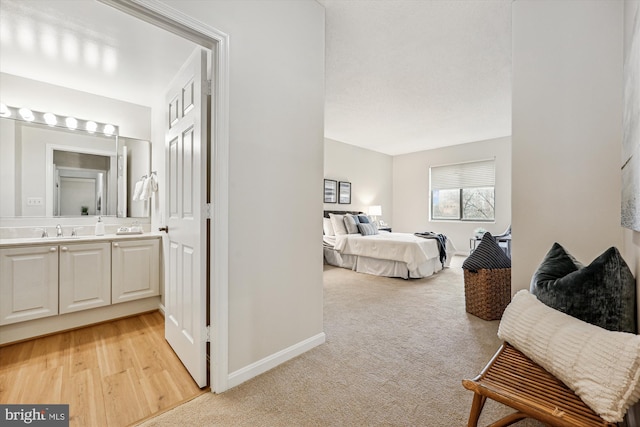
386, 254
404, 247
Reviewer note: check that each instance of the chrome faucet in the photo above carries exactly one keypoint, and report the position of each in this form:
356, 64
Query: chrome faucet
58, 230
44, 232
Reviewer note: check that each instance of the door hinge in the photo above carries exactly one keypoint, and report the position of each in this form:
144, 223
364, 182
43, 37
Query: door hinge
207, 88
208, 333
207, 210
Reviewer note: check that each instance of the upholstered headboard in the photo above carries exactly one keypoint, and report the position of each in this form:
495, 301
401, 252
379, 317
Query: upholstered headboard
326, 213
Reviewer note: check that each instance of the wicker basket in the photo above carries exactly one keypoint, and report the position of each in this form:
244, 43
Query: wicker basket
487, 292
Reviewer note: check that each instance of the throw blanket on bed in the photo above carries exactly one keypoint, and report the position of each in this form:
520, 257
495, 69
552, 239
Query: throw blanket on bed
442, 243
404, 247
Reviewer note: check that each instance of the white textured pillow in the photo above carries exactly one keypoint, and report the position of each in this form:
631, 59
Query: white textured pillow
338, 224
602, 367
327, 227
351, 224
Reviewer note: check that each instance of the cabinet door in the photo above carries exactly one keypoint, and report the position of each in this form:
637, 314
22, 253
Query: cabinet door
28, 283
85, 276
135, 269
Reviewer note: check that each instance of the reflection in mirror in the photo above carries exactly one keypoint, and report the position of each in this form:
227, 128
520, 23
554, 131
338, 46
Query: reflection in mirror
134, 163
81, 183
48, 171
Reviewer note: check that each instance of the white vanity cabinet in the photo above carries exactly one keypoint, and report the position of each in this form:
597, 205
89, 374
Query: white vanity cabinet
66, 283
135, 269
85, 276
28, 283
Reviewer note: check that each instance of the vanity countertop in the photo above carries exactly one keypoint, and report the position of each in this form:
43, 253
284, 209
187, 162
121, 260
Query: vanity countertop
32, 241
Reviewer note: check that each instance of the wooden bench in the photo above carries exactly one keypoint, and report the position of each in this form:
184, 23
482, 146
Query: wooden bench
514, 380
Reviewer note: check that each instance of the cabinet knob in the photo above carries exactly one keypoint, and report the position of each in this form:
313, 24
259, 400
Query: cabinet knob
116, 245
64, 249
53, 249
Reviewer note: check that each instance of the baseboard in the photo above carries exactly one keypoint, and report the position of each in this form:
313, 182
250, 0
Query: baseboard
270, 362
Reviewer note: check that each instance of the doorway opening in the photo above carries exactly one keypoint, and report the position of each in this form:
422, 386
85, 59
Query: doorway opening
174, 21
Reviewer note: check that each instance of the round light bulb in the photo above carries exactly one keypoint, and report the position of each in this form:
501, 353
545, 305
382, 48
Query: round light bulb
4, 111
109, 129
50, 119
71, 123
91, 126
26, 114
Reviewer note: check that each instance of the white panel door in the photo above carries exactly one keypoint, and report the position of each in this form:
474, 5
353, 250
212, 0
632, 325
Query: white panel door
186, 154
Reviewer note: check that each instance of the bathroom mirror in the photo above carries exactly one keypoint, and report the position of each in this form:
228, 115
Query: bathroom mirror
48, 171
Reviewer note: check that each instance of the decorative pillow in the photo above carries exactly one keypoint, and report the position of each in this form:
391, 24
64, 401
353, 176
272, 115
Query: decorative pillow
488, 255
602, 367
368, 229
338, 224
327, 227
351, 224
602, 293
363, 219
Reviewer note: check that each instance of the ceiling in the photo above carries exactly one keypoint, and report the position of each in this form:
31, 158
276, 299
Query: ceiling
410, 75
401, 75
89, 46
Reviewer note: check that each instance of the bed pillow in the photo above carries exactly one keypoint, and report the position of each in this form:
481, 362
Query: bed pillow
338, 224
363, 219
602, 293
351, 224
367, 229
602, 367
488, 255
327, 227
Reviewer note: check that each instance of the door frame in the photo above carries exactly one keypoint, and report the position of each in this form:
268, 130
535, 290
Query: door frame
183, 25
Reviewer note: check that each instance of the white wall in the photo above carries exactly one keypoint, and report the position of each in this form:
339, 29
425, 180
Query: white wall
133, 120
369, 172
411, 189
631, 249
567, 133
275, 170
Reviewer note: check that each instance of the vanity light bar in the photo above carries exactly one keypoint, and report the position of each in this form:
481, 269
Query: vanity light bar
51, 119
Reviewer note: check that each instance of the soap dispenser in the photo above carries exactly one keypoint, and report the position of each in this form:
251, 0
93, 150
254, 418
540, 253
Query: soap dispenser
100, 227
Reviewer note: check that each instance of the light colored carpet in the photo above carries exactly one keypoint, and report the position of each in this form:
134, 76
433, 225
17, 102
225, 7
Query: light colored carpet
395, 355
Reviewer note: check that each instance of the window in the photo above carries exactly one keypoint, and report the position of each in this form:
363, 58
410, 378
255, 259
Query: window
463, 191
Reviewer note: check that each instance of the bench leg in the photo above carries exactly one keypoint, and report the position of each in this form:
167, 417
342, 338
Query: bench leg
476, 409
509, 419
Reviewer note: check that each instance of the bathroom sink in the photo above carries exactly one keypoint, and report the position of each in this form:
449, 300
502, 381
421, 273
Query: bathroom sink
61, 238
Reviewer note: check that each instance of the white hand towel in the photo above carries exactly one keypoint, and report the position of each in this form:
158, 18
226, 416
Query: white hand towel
154, 183
137, 190
146, 189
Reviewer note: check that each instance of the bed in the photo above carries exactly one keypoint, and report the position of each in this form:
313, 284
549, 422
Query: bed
403, 255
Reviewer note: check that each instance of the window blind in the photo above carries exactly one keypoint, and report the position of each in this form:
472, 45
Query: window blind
463, 175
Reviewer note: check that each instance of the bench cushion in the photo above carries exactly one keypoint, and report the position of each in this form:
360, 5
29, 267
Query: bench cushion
602, 367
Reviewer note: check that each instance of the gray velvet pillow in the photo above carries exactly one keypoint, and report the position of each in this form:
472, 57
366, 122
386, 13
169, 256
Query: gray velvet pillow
602, 293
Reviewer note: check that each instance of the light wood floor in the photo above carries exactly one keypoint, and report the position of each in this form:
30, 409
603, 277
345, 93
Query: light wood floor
111, 374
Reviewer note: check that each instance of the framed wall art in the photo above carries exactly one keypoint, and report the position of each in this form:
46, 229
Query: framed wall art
345, 193
330, 191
